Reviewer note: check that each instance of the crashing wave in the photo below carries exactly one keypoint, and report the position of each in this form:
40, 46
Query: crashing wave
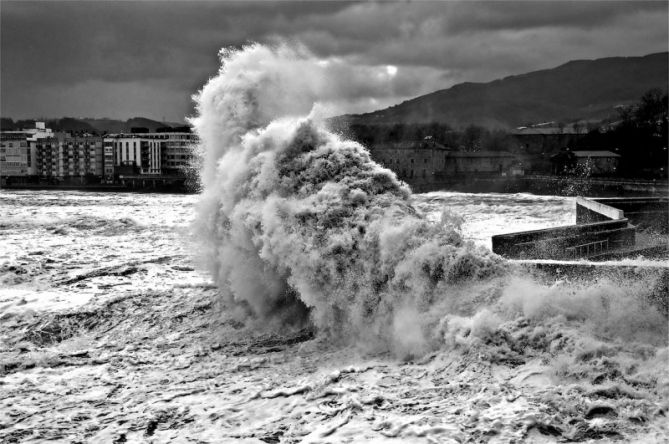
297, 220
297, 223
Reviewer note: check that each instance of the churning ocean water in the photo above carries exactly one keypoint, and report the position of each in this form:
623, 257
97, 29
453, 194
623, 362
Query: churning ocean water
307, 295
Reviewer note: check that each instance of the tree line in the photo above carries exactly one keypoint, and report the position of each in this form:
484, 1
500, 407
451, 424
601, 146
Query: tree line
639, 135
471, 138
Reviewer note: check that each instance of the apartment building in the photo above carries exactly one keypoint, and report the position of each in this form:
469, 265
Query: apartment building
165, 153
176, 151
80, 156
17, 158
46, 153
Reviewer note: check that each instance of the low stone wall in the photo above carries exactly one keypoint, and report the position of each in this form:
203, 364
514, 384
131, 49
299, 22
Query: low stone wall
602, 230
568, 242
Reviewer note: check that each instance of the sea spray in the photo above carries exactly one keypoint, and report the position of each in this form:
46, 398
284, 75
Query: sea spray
296, 221
298, 225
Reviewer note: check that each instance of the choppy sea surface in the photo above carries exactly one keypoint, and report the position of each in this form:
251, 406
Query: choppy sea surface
110, 331
49, 236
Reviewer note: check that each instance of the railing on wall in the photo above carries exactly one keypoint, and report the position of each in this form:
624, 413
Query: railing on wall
589, 249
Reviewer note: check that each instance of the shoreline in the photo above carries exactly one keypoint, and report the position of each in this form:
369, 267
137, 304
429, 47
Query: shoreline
535, 184
548, 185
97, 188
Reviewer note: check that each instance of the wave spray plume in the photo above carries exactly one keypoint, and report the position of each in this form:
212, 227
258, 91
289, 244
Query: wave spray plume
297, 221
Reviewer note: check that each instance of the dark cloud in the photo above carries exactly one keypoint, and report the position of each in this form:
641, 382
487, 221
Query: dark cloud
151, 56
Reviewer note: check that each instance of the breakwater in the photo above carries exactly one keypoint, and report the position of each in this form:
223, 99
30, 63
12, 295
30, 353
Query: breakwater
603, 228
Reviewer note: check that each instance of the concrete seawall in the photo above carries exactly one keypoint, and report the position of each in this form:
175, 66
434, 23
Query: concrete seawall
602, 229
571, 241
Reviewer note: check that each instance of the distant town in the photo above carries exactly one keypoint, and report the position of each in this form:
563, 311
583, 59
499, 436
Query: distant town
628, 154
38, 157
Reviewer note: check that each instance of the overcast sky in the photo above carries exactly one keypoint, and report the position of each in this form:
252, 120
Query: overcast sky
124, 59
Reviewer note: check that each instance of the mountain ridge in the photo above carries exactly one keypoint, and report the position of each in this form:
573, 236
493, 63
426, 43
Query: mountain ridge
575, 90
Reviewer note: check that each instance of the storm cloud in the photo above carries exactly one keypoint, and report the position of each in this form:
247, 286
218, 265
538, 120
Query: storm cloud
121, 59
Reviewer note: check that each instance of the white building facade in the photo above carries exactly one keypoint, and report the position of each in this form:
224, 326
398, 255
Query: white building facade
152, 153
17, 154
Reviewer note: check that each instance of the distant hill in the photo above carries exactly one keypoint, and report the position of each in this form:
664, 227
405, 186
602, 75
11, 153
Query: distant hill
107, 125
577, 90
119, 126
69, 124
90, 125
